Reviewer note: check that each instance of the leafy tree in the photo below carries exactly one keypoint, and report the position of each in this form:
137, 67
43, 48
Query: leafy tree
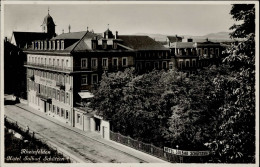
235, 140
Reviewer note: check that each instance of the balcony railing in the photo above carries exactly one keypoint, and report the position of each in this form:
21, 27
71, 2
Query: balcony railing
60, 85
70, 69
44, 97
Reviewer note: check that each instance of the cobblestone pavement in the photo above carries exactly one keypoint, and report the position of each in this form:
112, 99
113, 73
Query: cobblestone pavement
85, 146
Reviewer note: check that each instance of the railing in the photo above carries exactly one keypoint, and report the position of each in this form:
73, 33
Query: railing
62, 68
60, 85
37, 138
43, 96
152, 150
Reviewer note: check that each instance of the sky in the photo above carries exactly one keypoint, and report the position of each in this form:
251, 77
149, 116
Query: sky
167, 19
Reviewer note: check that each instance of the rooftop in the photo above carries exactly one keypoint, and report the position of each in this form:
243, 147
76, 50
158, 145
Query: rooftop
140, 42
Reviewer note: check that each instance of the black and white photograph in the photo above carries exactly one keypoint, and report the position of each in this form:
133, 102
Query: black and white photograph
130, 82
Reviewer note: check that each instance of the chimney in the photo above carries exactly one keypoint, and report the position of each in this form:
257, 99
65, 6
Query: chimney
69, 28
62, 31
116, 35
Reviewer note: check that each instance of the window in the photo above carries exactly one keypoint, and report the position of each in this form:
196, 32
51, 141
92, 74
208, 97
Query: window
58, 62
78, 118
180, 64
67, 63
45, 45
217, 51
164, 64
67, 98
171, 65
62, 63
50, 45
53, 109
45, 61
58, 45
54, 93
187, 63
58, 111
94, 78
54, 62
147, 65
67, 114
62, 112
156, 65
84, 63
199, 52
115, 62
206, 51
194, 63
62, 96
62, 45
58, 95
84, 80
53, 45
124, 61
94, 62
104, 62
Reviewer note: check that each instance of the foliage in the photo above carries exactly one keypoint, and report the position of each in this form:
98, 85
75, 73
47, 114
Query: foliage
235, 140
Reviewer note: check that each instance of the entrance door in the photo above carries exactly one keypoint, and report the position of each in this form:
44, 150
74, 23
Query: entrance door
45, 110
97, 124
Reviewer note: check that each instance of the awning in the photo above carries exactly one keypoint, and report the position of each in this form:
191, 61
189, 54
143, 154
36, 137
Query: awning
86, 95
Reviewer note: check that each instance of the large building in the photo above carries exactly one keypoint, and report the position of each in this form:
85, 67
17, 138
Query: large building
62, 70
188, 55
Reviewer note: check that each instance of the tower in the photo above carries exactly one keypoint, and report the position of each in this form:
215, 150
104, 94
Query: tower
48, 25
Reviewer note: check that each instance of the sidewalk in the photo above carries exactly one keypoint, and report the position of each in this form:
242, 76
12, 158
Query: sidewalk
94, 136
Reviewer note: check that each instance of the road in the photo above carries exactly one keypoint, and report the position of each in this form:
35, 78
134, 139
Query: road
84, 148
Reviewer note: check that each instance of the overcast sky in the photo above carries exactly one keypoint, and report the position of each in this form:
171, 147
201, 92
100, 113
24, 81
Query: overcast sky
170, 19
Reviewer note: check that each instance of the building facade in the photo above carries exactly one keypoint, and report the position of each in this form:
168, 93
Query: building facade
188, 56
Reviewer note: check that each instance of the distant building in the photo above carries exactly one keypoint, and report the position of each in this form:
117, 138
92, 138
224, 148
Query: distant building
189, 56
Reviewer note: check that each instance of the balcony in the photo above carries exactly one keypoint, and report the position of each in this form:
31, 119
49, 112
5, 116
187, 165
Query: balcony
60, 85
51, 67
44, 97
32, 78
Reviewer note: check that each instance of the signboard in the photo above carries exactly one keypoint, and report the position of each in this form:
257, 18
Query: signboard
186, 153
45, 81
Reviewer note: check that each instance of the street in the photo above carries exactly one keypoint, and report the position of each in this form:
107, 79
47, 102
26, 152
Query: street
81, 146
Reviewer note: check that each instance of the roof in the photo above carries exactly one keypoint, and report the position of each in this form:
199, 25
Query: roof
174, 39
84, 44
182, 45
140, 42
71, 35
48, 20
85, 95
21, 38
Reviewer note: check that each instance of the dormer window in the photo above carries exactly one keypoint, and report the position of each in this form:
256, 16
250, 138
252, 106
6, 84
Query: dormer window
41, 45
50, 45
53, 45
58, 45
115, 45
45, 45
62, 45
104, 44
94, 44
36, 45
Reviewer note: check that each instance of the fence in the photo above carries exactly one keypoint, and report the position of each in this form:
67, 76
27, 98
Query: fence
153, 150
38, 140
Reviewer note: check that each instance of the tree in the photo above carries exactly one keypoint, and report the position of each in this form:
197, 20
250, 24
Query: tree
235, 140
